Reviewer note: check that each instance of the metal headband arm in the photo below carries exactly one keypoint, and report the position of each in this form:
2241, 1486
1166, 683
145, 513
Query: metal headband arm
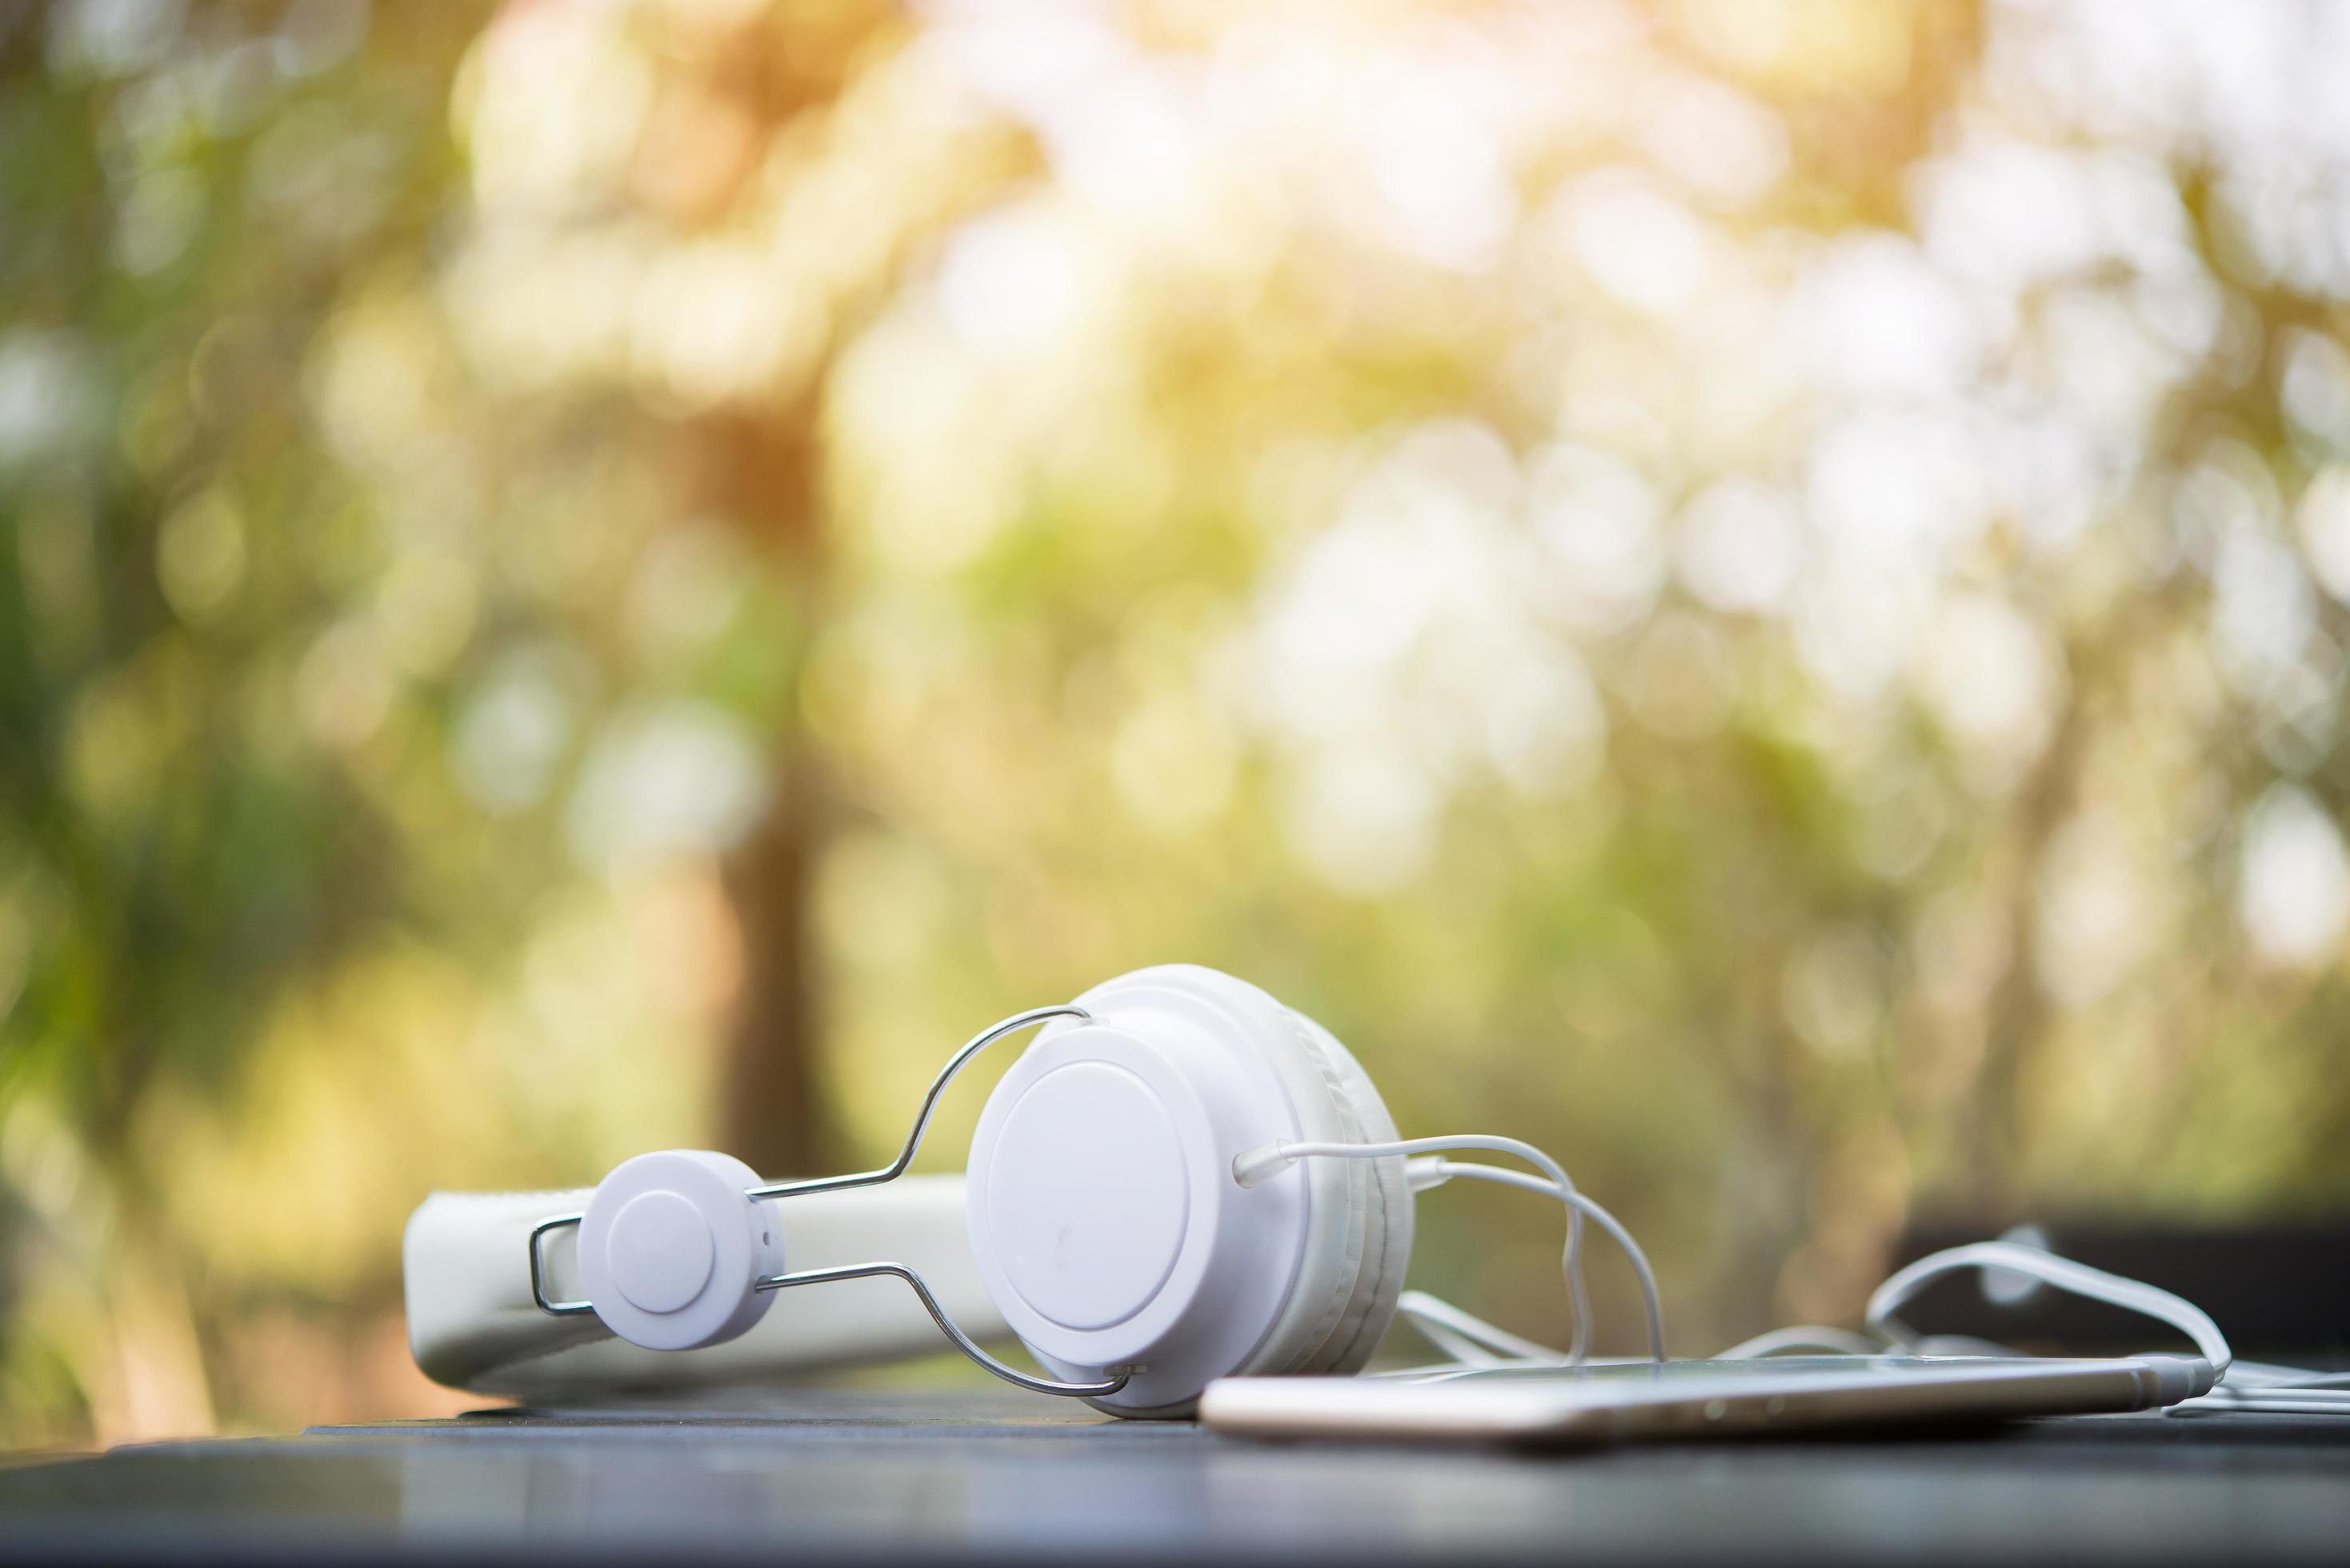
955, 1063
895, 1169
963, 1342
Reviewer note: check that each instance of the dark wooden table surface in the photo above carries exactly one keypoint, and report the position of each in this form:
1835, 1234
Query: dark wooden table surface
818, 1476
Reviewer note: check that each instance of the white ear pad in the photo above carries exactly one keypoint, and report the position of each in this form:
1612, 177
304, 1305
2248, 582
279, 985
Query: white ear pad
670, 1250
1105, 1221
1375, 1230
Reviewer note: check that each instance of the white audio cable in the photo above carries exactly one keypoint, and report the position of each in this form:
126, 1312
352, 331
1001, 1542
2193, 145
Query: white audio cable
2240, 1385
1474, 1344
2237, 1385
2048, 1268
1803, 1338
1469, 1339
1259, 1165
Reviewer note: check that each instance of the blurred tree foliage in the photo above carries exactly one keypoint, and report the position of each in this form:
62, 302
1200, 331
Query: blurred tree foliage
1751, 592
188, 200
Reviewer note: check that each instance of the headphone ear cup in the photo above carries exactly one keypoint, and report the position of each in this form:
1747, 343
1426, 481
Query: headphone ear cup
1107, 1224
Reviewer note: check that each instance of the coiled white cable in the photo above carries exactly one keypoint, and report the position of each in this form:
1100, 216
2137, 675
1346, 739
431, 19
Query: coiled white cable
1474, 1344
2064, 1273
2237, 1385
1258, 1165
1805, 1337
1469, 1339
1649, 1297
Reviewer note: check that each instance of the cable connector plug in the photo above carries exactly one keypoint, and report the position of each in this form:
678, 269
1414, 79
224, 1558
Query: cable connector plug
1255, 1166
1428, 1170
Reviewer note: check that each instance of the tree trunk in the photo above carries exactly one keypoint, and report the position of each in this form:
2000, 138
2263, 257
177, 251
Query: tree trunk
764, 472
775, 1114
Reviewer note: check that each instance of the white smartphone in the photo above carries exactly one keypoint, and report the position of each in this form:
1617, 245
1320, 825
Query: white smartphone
1617, 1402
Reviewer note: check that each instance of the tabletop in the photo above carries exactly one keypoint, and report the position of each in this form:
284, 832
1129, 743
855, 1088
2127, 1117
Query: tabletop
831, 1475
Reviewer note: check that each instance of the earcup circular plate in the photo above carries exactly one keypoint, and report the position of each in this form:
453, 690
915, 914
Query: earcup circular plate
1101, 1124
660, 1252
1090, 1205
670, 1250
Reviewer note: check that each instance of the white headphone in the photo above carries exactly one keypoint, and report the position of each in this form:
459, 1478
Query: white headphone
1128, 1201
